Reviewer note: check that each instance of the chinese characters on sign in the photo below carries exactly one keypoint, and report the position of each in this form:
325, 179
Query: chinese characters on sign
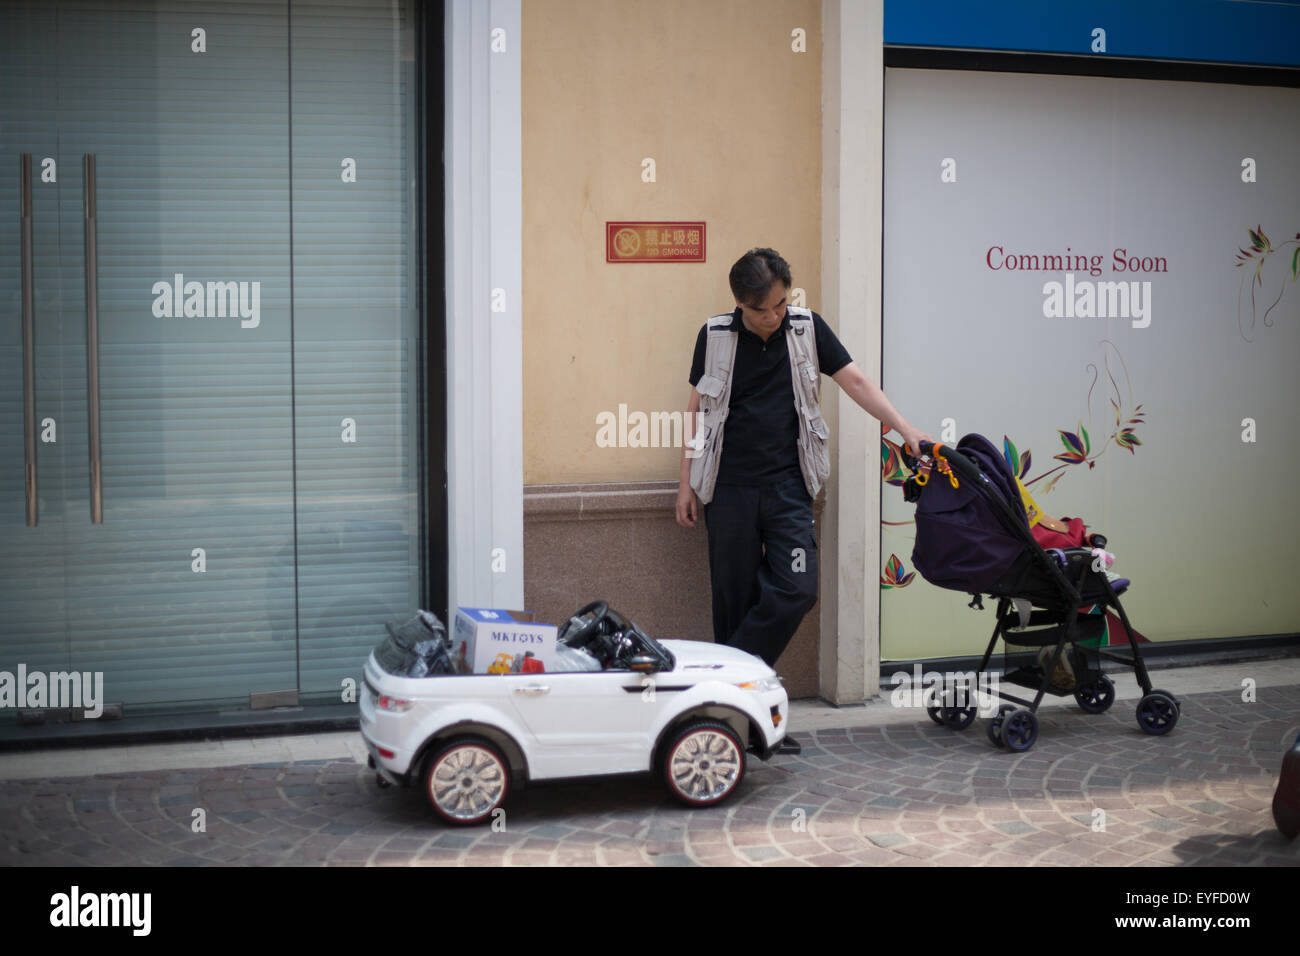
654, 242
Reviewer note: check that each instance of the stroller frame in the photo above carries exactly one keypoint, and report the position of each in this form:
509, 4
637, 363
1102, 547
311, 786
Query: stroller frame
1074, 583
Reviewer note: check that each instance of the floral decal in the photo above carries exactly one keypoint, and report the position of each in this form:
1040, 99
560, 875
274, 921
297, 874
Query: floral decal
893, 577
1078, 443
891, 460
1258, 256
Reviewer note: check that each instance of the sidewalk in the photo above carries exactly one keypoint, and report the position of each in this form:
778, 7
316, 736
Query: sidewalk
875, 785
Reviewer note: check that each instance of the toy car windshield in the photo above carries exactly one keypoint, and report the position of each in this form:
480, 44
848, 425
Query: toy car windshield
612, 641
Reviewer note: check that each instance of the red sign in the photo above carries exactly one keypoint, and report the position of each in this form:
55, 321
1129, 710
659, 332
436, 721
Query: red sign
654, 242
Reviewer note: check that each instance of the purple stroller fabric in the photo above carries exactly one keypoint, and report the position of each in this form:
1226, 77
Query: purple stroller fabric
962, 542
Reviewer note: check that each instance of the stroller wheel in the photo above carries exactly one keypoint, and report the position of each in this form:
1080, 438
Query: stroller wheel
1177, 703
1096, 698
1157, 712
933, 700
1019, 730
994, 728
959, 718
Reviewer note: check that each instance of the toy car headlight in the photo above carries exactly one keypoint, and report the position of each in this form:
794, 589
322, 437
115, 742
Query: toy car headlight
762, 685
395, 704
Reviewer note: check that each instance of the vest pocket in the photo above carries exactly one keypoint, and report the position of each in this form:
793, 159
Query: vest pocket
814, 452
710, 386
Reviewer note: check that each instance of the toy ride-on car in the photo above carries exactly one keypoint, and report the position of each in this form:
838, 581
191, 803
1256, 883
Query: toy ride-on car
615, 701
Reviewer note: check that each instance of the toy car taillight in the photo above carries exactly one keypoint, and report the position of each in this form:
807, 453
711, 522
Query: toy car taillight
395, 704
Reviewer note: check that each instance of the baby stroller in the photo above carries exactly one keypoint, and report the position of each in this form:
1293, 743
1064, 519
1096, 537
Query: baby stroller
972, 535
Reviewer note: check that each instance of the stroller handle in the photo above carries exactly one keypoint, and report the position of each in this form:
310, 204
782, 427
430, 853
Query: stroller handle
959, 462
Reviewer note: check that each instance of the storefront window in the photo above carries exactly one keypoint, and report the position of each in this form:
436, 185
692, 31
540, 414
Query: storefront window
224, 444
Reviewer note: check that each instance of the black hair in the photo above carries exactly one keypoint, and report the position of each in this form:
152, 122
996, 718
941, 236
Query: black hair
752, 276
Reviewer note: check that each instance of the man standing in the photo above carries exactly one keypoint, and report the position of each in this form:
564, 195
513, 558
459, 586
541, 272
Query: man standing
755, 377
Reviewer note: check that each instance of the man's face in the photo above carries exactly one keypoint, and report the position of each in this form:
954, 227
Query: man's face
765, 318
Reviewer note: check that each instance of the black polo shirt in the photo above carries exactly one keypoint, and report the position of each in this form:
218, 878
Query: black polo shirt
760, 443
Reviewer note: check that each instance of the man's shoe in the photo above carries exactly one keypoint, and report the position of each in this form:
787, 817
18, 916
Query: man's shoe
1286, 799
789, 745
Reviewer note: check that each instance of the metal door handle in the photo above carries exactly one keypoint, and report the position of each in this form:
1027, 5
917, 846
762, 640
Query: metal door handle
532, 690
29, 340
92, 340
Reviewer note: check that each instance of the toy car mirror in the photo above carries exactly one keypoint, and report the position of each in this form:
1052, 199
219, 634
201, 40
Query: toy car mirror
644, 664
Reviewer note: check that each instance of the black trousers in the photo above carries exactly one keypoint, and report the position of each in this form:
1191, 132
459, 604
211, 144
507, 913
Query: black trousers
762, 564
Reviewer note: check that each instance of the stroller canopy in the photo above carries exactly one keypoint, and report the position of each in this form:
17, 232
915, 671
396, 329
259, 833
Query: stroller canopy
964, 539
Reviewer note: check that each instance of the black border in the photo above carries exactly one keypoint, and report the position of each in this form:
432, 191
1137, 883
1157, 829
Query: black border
432, 459
1002, 61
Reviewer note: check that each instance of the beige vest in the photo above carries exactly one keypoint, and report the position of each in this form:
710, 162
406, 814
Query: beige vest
714, 387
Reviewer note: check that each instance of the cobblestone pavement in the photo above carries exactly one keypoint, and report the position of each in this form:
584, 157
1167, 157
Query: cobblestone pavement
892, 790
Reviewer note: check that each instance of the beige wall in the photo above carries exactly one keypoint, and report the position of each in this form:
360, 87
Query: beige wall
712, 91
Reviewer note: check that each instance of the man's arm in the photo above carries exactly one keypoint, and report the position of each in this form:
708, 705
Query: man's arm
687, 503
876, 404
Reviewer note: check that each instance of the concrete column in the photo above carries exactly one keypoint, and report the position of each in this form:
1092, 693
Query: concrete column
484, 234
852, 221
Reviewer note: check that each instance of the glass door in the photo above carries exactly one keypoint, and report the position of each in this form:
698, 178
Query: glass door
42, 426
356, 325
211, 274
168, 354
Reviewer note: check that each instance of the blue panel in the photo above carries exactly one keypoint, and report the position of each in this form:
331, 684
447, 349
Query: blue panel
1216, 31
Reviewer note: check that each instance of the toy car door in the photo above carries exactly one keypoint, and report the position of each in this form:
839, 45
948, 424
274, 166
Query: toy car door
584, 723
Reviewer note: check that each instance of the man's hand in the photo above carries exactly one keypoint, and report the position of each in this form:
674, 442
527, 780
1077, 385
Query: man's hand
913, 438
688, 506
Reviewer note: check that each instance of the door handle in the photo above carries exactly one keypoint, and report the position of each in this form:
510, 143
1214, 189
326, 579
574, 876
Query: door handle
92, 339
29, 340
532, 690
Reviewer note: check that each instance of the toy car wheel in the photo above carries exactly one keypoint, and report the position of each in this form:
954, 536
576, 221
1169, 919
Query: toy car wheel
1157, 712
1096, 698
936, 714
703, 763
465, 780
1019, 730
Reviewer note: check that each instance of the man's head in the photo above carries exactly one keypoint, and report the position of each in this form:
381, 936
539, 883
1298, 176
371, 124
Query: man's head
760, 281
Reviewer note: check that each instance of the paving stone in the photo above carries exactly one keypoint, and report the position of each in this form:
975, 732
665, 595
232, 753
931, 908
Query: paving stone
1015, 827
1167, 826
887, 794
888, 839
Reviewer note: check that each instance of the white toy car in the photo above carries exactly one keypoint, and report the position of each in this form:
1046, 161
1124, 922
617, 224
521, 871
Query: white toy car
621, 702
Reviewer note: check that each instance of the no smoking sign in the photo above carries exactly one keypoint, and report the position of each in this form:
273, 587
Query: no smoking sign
654, 242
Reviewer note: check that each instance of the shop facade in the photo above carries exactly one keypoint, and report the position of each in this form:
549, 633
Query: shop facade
310, 318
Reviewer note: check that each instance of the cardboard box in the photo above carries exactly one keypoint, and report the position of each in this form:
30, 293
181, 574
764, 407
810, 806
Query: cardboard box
491, 641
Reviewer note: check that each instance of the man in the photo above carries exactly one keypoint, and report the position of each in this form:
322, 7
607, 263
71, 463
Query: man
755, 378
